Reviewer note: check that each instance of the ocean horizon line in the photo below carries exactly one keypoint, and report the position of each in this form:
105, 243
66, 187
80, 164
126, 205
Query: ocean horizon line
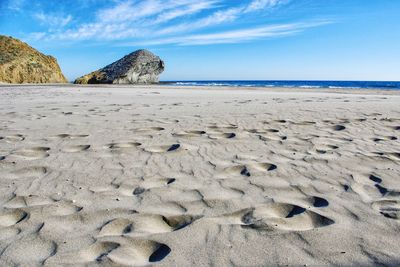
387, 85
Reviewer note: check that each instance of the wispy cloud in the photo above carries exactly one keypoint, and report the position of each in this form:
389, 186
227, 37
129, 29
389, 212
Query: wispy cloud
237, 36
163, 10
53, 20
129, 11
222, 16
218, 17
176, 22
262, 4
15, 5
132, 19
190, 9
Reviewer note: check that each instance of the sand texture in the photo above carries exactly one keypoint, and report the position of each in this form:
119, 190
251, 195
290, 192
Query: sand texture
136, 176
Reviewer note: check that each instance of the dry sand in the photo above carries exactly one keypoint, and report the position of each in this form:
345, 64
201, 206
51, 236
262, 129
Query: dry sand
198, 177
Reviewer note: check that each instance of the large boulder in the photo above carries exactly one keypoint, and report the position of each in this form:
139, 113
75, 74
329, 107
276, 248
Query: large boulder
139, 67
20, 63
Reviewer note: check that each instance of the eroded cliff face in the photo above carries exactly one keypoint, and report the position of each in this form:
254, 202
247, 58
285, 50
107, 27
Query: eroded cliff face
20, 63
139, 67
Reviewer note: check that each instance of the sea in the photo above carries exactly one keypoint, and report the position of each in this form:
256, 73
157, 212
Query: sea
384, 85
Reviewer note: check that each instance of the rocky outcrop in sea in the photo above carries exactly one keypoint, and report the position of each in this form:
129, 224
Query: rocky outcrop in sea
139, 67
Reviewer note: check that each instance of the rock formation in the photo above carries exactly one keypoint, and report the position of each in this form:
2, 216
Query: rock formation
20, 63
139, 67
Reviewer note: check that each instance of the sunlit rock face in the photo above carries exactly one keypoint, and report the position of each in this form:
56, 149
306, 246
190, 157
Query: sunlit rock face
139, 67
21, 63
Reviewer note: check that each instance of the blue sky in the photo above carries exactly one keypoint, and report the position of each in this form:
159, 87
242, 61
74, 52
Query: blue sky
217, 39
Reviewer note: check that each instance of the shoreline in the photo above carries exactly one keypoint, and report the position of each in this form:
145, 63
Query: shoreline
378, 91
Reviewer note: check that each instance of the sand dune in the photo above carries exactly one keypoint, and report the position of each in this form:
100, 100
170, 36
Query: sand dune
121, 176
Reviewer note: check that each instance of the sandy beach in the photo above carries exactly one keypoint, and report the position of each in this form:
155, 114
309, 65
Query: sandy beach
198, 176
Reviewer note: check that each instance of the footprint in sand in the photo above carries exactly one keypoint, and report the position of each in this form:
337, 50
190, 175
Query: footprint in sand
219, 192
28, 172
249, 169
163, 148
372, 191
189, 134
368, 187
136, 188
338, 127
267, 134
47, 206
13, 138
69, 136
312, 202
388, 207
12, 217
221, 135
76, 148
264, 137
35, 250
165, 207
319, 202
384, 138
262, 131
153, 183
276, 216
122, 146
32, 153
150, 129
222, 127
8, 233
323, 149
394, 155
117, 250
305, 123
28, 201
388, 155
145, 224
64, 208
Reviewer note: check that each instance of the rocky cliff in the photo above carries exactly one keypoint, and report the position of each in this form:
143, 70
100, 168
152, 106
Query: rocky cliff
20, 63
139, 67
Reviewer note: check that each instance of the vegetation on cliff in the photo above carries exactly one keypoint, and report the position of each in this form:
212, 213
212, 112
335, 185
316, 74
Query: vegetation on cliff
20, 63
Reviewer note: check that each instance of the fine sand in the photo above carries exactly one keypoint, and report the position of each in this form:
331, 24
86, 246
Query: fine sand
174, 176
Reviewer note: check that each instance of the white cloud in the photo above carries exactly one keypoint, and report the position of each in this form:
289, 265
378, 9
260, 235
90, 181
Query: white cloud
216, 18
166, 10
129, 11
112, 31
131, 19
53, 20
261, 4
15, 5
36, 35
144, 22
190, 9
222, 16
237, 36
